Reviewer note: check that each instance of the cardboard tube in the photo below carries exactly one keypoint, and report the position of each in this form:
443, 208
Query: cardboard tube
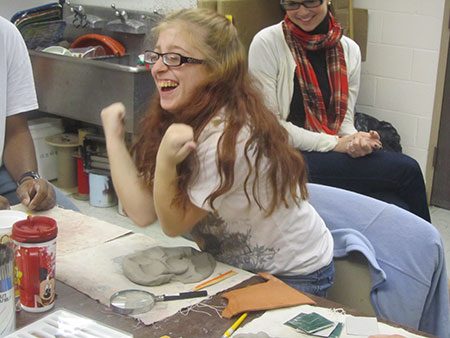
66, 145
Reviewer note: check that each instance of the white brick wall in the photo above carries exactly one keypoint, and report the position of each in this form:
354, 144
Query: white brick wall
398, 79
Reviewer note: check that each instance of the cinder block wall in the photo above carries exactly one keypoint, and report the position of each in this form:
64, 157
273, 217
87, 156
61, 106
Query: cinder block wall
399, 76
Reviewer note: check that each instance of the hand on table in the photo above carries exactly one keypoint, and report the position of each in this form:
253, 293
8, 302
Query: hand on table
4, 203
36, 194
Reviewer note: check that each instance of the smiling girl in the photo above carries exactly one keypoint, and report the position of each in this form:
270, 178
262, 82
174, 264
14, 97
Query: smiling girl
310, 75
209, 147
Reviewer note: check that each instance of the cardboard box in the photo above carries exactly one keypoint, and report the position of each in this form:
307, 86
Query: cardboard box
340, 4
211, 4
360, 27
249, 16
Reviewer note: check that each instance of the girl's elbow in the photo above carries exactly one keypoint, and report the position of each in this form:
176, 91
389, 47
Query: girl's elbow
172, 229
169, 231
171, 234
143, 221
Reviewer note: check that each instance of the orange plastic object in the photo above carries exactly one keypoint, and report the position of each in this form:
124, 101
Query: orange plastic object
112, 46
273, 294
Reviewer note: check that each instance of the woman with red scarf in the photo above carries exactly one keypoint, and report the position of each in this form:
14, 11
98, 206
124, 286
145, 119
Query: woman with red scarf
310, 76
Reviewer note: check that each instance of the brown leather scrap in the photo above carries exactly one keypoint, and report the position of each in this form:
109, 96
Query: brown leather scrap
273, 294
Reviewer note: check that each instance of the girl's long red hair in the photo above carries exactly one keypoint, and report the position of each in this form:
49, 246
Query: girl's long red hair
229, 86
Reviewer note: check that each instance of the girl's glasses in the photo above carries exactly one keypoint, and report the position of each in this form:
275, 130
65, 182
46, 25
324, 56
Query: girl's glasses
293, 5
169, 59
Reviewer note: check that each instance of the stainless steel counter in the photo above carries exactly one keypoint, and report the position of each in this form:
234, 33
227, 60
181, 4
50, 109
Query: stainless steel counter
79, 88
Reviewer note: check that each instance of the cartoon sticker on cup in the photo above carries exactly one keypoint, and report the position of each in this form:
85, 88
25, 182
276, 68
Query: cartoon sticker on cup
35, 251
46, 289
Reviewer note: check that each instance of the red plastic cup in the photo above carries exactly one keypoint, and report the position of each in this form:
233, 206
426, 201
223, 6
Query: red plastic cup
82, 178
35, 255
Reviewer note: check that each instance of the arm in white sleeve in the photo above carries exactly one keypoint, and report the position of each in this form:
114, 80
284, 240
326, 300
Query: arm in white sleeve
354, 76
270, 62
307, 140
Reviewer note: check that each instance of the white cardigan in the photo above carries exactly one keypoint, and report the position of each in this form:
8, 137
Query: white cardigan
272, 64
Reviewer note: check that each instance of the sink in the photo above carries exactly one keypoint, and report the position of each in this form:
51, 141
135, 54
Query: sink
80, 88
130, 60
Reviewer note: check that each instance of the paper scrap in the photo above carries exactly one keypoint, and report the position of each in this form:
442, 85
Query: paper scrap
361, 326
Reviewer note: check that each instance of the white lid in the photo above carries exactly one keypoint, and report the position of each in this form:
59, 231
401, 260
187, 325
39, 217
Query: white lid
8, 218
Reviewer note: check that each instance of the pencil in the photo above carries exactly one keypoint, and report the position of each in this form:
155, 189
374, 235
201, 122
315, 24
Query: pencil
235, 325
215, 280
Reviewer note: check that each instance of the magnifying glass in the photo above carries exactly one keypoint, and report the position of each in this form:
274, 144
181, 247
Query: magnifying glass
134, 302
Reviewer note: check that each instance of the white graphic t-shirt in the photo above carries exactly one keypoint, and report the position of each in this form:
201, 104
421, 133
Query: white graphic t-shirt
291, 241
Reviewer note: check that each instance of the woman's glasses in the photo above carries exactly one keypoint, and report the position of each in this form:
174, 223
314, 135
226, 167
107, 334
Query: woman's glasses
293, 5
169, 59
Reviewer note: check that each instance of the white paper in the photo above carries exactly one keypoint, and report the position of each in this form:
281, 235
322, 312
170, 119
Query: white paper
77, 231
272, 323
360, 326
326, 332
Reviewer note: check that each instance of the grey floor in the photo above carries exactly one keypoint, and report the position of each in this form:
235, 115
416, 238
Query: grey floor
440, 218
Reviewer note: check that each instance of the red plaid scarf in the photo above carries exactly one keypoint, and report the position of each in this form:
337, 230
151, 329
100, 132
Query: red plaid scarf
317, 118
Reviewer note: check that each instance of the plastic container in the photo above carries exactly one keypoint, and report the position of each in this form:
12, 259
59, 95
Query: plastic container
35, 254
88, 52
46, 155
7, 303
7, 219
101, 191
82, 181
58, 50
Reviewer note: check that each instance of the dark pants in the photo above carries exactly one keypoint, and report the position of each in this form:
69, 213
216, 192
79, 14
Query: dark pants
388, 176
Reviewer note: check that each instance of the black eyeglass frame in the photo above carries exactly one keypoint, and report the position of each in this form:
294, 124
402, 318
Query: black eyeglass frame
183, 59
294, 5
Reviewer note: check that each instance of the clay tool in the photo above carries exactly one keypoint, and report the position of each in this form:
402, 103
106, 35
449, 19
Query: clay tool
215, 280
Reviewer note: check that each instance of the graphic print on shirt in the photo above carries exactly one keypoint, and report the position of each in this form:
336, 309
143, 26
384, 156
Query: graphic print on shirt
214, 236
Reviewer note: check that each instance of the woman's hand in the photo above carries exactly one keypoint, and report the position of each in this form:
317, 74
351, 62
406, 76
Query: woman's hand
113, 120
176, 144
359, 144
